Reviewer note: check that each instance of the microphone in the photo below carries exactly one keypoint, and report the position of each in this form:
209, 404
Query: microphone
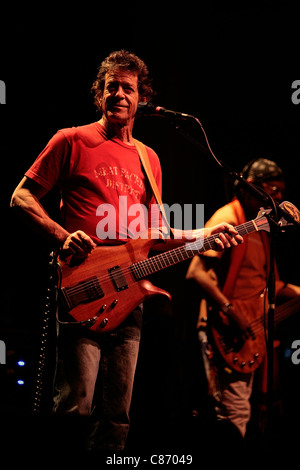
148, 109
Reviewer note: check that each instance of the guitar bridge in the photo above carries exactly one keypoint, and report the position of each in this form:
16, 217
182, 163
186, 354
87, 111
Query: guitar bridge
82, 292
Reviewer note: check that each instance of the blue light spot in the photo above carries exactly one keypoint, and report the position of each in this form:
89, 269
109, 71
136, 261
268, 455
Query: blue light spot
287, 353
20, 382
21, 363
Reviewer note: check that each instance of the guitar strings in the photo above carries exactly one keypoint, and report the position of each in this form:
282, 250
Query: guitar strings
162, 260
282, 313
156, 263
148, 266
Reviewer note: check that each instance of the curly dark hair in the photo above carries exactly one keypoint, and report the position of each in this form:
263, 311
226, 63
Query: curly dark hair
127, 61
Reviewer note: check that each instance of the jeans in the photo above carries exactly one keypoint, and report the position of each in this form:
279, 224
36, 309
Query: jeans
231, 391
95, 376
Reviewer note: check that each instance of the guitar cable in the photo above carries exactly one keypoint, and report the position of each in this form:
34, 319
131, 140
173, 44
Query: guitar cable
50, 305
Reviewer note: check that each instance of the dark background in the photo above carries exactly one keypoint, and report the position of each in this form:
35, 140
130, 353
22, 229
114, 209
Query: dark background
232, 66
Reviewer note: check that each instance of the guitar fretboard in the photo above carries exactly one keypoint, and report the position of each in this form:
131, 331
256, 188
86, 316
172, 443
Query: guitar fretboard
169, 258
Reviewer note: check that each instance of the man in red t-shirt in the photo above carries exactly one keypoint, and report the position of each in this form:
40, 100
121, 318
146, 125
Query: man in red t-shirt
98, 169
96, 175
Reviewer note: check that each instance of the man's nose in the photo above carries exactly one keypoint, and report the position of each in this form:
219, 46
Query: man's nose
278, 196
120, 92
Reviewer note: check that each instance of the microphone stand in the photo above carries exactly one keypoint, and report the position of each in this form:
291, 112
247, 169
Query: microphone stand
273, 217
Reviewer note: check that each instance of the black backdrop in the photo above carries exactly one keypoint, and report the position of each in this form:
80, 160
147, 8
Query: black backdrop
230, 65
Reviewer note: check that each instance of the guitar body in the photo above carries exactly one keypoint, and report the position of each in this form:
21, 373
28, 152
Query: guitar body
241, 355
102, 290
246, 355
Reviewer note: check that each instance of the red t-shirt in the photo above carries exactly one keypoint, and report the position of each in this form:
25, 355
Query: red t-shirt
101, 182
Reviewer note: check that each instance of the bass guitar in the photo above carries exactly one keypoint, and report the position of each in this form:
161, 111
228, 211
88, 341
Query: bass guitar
101, 291
245, 355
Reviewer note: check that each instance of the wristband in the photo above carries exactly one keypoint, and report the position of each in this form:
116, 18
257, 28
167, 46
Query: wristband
226, 307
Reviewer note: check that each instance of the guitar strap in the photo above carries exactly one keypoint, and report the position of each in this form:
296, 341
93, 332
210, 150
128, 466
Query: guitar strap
141, 149
238, 254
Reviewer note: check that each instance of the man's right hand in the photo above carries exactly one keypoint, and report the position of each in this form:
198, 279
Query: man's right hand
78, 244
241, 323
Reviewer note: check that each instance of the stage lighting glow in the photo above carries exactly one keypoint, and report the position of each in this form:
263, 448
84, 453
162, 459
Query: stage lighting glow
21, 363
20, 382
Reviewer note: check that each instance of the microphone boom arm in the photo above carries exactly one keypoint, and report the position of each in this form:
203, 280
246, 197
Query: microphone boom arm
286, 209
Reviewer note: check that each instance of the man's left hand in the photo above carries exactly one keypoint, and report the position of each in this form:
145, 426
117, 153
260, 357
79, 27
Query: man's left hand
228, 236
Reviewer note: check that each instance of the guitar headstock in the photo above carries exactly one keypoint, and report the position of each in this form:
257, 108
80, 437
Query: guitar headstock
261, 221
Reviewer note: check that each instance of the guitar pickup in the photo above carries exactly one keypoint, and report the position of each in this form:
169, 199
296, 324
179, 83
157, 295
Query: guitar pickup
118, 278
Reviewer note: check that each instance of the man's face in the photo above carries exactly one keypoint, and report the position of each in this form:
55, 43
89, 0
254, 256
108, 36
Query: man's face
275, 189
120, 96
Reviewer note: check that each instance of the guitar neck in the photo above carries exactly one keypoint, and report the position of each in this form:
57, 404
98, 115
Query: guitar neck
177, 255
286, 310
